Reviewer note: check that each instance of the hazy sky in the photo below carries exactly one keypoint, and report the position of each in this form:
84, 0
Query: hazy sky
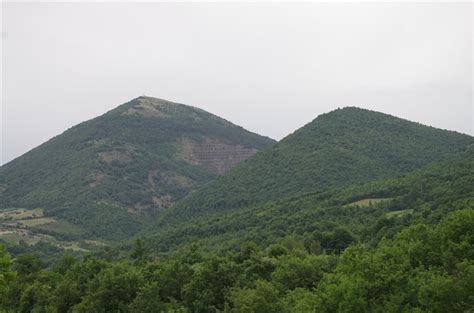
270, 68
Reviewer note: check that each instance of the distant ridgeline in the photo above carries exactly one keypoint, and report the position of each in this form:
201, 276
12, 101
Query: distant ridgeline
105, 178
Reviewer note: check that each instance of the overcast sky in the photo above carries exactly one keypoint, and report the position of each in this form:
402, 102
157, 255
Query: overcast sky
270, 68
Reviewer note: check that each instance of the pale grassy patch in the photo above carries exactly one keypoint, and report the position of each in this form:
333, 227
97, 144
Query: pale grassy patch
14, 237
368, 202
399, 213
37, 221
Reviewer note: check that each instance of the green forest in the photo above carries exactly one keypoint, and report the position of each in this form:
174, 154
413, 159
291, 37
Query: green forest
422, 269
95, 173
363, 213
140, 210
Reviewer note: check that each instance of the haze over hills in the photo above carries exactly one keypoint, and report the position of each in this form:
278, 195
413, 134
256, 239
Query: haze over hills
344, 147
105, 177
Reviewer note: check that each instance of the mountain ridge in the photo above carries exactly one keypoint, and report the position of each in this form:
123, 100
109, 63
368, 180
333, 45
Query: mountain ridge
339, 148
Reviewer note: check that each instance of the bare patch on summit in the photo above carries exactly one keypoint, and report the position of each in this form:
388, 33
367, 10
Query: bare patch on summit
146, 107
212, 154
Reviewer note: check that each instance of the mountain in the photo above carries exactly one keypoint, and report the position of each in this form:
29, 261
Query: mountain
388, 228
107, 176
344, 147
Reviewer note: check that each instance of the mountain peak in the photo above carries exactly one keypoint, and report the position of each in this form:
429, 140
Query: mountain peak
128, 164
145, 106
346, 146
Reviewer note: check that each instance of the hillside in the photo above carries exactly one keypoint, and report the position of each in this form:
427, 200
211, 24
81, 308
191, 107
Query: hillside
341, 148
332, 219
106, 177
398, 244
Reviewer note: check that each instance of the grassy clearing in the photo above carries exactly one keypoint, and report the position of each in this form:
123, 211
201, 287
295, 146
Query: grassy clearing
16, 236
368, 202
399, 213
59, 228
20, 214
37, 221
71, 245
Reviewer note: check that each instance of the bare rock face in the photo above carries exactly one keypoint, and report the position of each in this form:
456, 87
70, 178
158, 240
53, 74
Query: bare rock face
212, 154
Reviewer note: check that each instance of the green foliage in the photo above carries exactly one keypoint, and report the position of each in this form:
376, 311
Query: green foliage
112, 290
263, 297
341, 148
300, 272
277, 234
323, 222
6, 272
69, 179
393, 276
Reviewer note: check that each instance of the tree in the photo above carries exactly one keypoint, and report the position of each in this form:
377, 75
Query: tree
112, 290
263, 298
139, 252
6, 273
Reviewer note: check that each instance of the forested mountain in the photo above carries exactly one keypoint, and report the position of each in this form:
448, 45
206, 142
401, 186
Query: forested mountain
105, 177
407, 248
341, 148
357, 211
331, 220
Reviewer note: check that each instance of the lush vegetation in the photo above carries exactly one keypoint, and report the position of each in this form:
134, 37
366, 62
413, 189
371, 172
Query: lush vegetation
355, 212
341, 148
321, 218
423, 268
95, 173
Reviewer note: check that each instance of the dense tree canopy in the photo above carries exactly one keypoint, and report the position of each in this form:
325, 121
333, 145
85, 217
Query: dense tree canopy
422, 268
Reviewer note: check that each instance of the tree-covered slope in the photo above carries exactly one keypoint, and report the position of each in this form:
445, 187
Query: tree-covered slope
427, 266
110, 174
332, 219
424, 268
344, 147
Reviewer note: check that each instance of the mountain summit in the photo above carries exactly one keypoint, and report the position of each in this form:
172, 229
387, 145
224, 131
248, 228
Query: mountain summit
107, 176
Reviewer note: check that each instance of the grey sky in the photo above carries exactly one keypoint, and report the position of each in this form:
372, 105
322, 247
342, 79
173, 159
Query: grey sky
268, 67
